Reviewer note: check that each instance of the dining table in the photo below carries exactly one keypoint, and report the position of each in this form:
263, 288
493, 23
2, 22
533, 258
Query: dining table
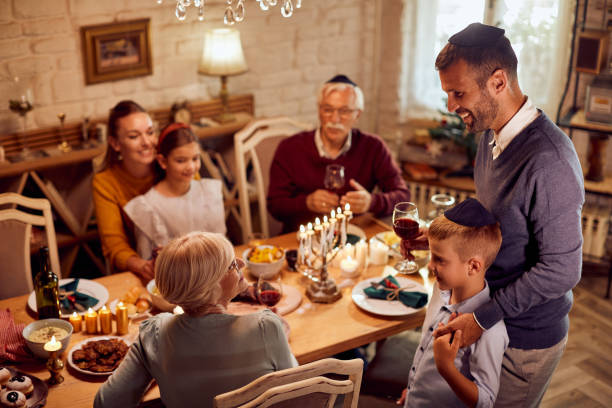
316, 330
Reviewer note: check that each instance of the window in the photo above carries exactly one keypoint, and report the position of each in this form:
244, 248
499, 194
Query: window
539, 30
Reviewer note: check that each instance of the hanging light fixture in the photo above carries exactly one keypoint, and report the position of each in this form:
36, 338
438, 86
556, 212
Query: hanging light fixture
234, 13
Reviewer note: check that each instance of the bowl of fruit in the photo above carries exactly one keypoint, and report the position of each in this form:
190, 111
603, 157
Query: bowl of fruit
264, 260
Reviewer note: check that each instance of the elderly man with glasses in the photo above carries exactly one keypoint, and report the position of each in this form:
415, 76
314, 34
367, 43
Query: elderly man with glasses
297, 193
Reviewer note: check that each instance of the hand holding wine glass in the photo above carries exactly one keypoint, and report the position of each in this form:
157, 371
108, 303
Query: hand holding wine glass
406, 226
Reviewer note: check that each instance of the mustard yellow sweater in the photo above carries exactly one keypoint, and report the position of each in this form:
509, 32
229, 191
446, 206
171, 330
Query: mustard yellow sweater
112, 189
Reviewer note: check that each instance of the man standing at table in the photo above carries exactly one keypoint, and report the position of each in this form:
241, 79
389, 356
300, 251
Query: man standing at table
528, 176
297, 194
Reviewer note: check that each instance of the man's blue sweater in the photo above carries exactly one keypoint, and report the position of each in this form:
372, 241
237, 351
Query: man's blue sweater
535, 189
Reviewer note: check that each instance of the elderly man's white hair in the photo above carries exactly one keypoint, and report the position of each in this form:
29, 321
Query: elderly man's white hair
330, 87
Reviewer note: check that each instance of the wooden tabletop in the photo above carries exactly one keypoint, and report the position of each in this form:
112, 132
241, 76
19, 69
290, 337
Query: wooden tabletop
317, 330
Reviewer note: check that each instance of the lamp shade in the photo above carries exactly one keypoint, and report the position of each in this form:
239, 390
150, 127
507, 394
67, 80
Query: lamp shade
222, 53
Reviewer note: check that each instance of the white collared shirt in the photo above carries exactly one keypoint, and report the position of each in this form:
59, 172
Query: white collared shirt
521, 119
321, 148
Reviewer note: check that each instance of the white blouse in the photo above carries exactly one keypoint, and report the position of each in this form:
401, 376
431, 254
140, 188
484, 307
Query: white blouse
159, 219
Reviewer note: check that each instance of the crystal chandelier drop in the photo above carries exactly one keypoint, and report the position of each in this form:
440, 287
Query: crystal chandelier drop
234, 13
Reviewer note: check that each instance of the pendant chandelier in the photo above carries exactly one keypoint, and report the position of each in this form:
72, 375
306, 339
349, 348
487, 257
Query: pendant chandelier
235, 11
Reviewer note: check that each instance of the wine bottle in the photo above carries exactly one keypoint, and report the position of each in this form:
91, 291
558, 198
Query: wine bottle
46, 287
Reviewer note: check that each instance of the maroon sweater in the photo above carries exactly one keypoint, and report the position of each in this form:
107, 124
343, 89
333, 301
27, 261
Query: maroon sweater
297, 170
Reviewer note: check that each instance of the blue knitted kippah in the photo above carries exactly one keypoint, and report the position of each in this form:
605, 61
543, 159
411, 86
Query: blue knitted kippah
477, 35
343, 79
470, 213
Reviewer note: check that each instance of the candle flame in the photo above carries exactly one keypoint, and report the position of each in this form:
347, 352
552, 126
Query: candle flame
75, 314
333, 213
120, 304
310, 226
349, 258
52, 342
339, 210
317, 221
347, 207
104, 307
324, 219
302, 229
90, 310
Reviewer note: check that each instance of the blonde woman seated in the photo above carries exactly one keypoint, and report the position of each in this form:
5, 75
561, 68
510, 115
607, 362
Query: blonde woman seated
206, 351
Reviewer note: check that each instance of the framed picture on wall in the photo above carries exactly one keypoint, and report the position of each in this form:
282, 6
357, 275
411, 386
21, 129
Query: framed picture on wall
116, 51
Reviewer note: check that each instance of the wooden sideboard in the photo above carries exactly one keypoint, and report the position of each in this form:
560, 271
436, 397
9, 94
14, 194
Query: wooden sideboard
65, 178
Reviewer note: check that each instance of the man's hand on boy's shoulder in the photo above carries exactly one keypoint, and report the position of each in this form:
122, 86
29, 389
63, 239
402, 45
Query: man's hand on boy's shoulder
465, 322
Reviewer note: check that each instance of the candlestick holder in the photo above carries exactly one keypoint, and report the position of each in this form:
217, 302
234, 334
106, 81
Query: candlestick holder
318, 248
63, 146
55, 367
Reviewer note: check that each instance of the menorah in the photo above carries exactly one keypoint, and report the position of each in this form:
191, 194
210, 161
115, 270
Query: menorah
319, 245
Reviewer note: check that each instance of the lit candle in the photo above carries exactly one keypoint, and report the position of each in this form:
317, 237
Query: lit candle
122, 318
361, 249
52, 345
342, 220
76, 322
348, 266
347, 211
105, 316
91, 321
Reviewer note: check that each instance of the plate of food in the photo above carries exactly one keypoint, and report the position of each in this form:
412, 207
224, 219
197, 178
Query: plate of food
84, 286
98, 356
24, 388
385, 307
137, 300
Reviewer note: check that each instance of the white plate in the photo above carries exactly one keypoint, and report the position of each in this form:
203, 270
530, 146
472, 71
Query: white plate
113, 306
78, 347
385, 307
291, 299
87, 287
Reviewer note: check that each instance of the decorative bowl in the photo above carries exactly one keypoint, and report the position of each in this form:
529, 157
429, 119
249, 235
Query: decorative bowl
267, 270
159, 302
38, 347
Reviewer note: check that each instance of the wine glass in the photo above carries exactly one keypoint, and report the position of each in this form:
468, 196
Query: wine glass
334, 178
406, 226
441, 203
268, 293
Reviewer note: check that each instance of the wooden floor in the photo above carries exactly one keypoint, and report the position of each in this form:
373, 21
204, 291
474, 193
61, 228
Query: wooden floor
584, 375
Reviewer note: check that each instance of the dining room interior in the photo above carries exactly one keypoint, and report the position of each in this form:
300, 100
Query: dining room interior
242, 75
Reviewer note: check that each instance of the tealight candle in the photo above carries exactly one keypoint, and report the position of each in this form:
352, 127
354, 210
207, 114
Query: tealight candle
105, 316
52, 345
122, 318
91, 321
76, 321
348, 266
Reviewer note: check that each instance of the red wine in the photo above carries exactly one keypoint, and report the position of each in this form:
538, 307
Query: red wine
406, 228
269, 297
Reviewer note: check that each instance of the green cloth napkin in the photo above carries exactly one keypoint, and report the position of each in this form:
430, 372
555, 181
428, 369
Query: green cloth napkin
82, 299
411, 299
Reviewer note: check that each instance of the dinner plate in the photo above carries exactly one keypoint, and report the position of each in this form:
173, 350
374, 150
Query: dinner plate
385, 307
86, 286
78, 346
113, 308
291, 299
38, 398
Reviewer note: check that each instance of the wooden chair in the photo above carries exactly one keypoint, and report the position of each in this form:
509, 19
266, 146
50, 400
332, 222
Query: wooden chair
255, 145
16, 233
302, 386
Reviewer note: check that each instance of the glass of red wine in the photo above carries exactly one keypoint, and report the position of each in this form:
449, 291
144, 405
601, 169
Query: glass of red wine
406, 226
268, 293
334, 178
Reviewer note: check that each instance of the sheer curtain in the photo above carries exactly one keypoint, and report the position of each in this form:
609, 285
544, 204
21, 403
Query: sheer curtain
539, 30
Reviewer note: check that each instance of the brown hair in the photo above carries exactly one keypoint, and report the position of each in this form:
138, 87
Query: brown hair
469, 241
120, 110
170, 141
188, 270
483, 60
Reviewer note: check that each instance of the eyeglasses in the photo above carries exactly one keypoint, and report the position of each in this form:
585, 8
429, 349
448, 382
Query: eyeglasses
343, 112
237, 265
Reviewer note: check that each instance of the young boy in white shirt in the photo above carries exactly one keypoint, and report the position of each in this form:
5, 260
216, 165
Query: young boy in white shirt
463, 244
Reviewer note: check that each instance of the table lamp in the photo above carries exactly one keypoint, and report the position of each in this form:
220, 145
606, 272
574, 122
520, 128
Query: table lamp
222, 56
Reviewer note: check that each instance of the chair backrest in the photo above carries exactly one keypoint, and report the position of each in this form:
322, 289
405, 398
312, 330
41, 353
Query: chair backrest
15, 229
256, 144
302, 386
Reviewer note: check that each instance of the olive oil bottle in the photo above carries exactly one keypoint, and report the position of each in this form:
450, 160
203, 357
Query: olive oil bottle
46, 287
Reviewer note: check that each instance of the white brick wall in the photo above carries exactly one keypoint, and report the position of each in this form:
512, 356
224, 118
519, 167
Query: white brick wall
288, 59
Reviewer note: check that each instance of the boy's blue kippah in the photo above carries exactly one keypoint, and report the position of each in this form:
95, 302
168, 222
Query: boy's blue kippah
477, 35
470, 213
342, 79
